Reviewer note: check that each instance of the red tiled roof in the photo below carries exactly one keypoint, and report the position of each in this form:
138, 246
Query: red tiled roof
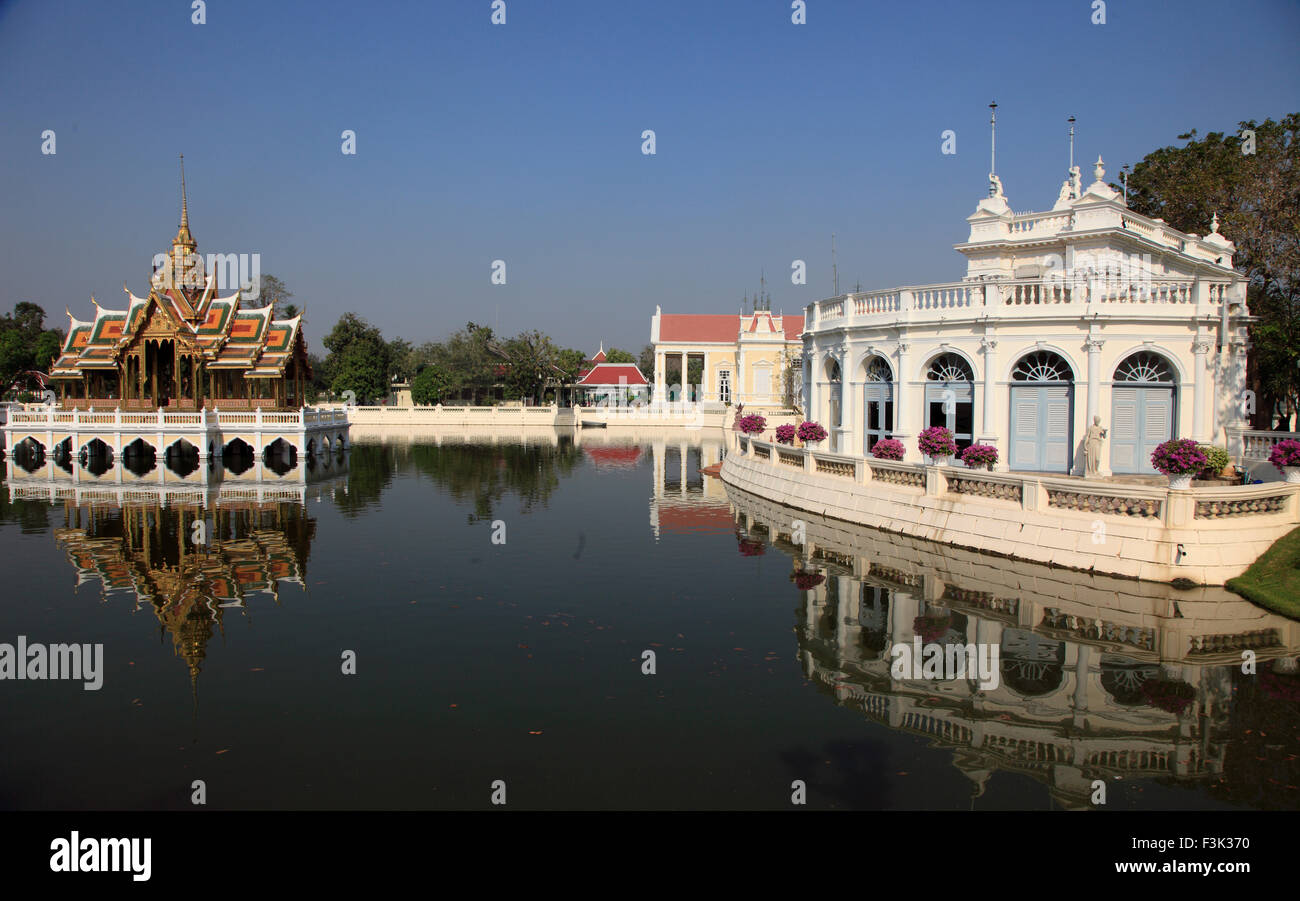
714, 328
695, 518
613, 456
611, 373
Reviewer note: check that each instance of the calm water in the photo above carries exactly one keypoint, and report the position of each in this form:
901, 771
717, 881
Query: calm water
522, 661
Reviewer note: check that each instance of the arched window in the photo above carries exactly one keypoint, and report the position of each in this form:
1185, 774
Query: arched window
1145, 368
1042, 366
878, 400
1143, 410
950, 397
1042, 415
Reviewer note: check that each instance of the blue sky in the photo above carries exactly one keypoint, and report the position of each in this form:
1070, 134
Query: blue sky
522, 142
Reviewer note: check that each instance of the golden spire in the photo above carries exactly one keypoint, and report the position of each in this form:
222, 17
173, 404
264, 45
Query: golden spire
183, 236
185, 212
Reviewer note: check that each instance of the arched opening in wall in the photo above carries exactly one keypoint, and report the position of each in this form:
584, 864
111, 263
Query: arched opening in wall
1142, 410
182, 458
96, 457
139, 457
1122, 678
1032, 665
1042, 413
280, 456
63, 454
878, 402
873, 617
29, 454
950, 397
238, 456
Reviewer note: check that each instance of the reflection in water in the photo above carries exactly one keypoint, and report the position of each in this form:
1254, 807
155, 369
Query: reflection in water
187, 562
1101, 678
472, 470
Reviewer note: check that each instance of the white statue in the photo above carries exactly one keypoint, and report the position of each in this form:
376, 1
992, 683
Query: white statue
995, 186
1092, 448
1076, 182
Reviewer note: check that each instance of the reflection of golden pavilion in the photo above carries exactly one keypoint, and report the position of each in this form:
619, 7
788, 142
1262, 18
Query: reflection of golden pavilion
187, 561
1100, 677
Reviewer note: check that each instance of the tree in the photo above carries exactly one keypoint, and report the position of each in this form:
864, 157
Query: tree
25, 342
270, 290
570, 362
646, 362
530, 366
1257, 198
402, 355
430, 385
614, 355
359, 358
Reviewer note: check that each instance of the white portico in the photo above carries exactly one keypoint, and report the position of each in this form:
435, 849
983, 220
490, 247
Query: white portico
1088, 309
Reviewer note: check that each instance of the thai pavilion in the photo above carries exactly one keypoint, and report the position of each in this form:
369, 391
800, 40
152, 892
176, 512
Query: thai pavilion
182, 347
1085, 310
179, 369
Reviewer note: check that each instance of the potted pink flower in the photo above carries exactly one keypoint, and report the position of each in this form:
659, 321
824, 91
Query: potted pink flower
785, 434
978, 455
811, 433
1286, 457
937, 443
1180, 459
888, 449
753, 424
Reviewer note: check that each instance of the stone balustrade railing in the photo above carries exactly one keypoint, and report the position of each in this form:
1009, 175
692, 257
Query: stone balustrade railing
43, 417
1173, 508
1257, 445
974, 298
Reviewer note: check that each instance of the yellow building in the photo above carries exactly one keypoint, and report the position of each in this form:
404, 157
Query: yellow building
750, 358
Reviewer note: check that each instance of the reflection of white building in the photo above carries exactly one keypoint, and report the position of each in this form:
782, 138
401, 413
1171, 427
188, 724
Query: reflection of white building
1082, 655
1086, 309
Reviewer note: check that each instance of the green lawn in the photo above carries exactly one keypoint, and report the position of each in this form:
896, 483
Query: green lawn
1273, 581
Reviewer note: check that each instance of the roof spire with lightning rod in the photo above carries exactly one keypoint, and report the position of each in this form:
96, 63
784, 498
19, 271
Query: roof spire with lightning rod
835, 270
993, 147
1071, 121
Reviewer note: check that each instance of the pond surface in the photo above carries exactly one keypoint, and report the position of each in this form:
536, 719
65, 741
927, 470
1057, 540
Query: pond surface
498, 594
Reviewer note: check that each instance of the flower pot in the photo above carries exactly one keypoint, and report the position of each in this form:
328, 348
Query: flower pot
1291, 473
1179, 482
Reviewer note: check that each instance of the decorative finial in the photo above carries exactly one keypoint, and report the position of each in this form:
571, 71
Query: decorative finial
1099, 171
1214, 224
185, 213
993, 143
95, 302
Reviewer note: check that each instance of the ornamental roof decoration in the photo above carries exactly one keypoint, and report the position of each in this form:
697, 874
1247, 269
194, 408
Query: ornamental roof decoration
182, 305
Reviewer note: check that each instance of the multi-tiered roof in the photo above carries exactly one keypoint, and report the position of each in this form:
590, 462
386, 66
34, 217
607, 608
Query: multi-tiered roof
183, 304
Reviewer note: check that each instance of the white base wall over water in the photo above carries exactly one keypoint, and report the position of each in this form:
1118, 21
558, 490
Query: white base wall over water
1205, 535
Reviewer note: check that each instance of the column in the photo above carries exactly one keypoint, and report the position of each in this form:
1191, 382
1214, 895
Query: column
904, 415
1094, 377
988, 428
845, 442
681, 453
806, 387
705, 382
660, 394
737, 389
1200, 380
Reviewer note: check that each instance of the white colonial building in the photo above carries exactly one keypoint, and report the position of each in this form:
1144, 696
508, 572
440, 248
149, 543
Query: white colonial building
1088, 309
